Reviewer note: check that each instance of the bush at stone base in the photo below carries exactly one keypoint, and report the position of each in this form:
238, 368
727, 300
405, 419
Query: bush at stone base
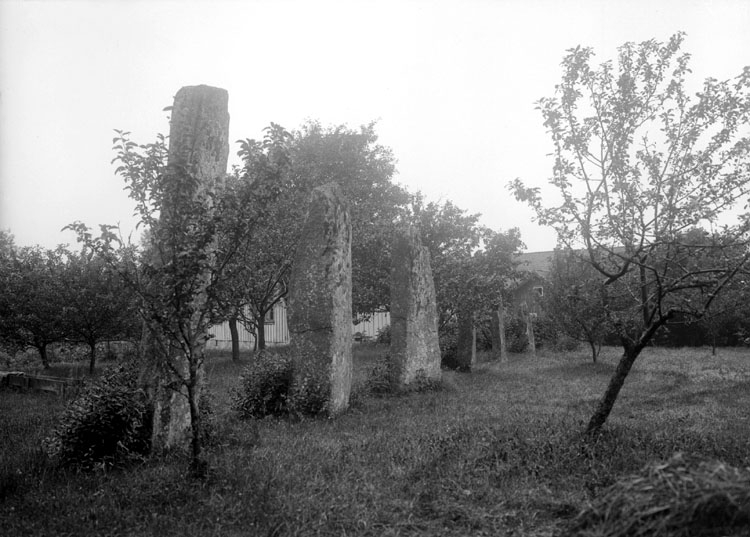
422, 383
310, 389
309, 393
206, 405
108, 424
380, 381
270, 386
264, 386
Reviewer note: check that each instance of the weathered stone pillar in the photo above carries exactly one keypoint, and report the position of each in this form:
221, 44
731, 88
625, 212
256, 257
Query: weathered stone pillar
497, 329
414, 332
198, 153
466, 343
529, 317
320, 298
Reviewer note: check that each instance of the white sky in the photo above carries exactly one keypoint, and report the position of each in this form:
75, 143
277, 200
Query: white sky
451, 83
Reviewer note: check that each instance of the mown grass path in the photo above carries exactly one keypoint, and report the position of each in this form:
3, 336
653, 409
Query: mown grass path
496, 452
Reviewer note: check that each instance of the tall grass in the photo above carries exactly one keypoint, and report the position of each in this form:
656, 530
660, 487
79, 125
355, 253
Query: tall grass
497, 451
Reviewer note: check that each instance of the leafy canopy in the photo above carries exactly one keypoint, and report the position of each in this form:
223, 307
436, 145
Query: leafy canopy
639, 161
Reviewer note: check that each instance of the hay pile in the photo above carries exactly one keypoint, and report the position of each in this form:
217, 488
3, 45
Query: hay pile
677, 498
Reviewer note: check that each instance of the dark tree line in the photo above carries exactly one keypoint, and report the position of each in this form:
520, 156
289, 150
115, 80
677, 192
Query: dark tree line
50, 296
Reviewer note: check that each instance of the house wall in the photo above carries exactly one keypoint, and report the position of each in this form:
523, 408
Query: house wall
528, 295
277, 330
376, 322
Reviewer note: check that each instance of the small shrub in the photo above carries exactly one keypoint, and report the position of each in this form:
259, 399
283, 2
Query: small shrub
270, 386
206, 406
379, 379
264, 386
384, 336
545, 332
108, 423
311, 388
422, 383
309, 394
566, 344
515, 333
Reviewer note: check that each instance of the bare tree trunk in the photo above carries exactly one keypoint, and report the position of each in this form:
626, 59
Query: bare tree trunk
632, 351
42, 348
607, 401
235, 338
593, 350
92, 357
473, 346
713, 344
198, 464
261, 339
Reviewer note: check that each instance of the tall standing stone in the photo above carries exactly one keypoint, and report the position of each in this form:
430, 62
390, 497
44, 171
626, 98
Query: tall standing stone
529, 319
320, 298
197, 161
414, 332
497, 330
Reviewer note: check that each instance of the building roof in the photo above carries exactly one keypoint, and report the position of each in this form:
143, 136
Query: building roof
537, 262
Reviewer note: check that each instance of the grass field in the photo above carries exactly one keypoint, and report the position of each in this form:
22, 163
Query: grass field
495, 452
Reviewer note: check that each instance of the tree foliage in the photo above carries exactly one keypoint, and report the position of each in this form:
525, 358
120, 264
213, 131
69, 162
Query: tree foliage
575, 301
364, 169
637, 162
32, 298
255, 277
177, 274
296, 163
472, 265
97, 305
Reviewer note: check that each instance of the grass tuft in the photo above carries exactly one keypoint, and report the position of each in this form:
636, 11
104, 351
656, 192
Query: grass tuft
678, 498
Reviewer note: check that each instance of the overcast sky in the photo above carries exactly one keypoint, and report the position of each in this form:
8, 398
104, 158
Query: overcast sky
452, 85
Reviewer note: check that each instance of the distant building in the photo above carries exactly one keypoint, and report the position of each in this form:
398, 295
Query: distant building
528, 294
277, 330
526, 299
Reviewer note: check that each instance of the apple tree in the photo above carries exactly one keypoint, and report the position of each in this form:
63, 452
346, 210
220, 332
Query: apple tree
638, 160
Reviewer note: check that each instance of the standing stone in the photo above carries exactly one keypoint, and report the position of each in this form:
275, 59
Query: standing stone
529, 318
198, 153
497, 329
466, 349
414, 333
320, 299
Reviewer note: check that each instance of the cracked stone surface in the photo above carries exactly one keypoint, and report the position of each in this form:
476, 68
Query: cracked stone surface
414, 332
198, 144
320, 295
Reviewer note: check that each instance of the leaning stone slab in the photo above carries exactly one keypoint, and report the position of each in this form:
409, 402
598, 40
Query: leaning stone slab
320, 299
414, 334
